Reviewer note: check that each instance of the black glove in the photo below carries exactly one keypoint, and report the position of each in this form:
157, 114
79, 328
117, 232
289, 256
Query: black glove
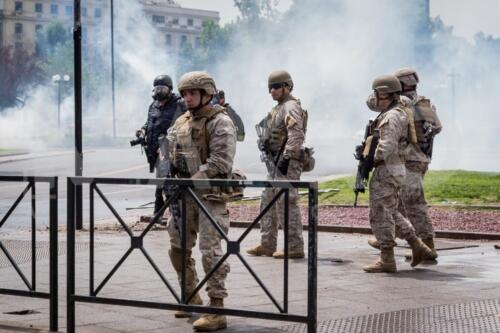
283, 165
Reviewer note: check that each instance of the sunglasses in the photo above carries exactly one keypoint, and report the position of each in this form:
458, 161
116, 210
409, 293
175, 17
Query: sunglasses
276, 86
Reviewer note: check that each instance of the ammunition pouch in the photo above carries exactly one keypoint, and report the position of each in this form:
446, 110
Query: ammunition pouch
227, 194
307, 159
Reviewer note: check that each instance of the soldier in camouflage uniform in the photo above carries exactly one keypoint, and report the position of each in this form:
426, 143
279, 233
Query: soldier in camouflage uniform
418, 156
202, 145
392, 125
286, 125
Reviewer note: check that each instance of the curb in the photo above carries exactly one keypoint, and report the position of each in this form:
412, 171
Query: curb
367, 231
14, 154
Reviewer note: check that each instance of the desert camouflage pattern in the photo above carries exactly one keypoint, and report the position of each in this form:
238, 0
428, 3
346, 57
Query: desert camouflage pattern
388, 178
206, 142
290, 119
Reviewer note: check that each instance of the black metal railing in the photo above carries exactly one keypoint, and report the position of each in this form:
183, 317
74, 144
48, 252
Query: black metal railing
184, 189
31, 285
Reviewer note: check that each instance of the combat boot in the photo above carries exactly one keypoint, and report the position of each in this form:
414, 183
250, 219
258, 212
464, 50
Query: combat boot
211, 322
385, 264
427, 260
419, 251
260, 250
373, 242
292, 254
430, 244
196, 300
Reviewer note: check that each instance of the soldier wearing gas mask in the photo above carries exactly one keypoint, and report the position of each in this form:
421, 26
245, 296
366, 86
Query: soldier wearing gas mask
394, 130
165, 108
426, 125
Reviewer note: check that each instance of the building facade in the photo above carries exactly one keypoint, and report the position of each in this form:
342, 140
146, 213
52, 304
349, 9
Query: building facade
21, 19
178, 25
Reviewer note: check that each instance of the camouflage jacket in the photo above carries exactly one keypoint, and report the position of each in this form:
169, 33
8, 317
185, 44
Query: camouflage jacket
203, 143
290, 121
393, 142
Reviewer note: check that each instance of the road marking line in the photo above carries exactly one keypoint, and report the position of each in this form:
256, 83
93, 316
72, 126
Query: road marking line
137, 167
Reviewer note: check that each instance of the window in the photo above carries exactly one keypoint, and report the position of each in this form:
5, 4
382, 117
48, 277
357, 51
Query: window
158, 19
19, 7
38, 27
175, 20
39, 8
97, 12
183, 40
168, 39
84, 11
69, 10
19, 28
198, 42
54, 9
190, 22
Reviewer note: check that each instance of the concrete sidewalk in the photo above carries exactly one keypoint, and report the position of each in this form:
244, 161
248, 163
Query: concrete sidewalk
436, 296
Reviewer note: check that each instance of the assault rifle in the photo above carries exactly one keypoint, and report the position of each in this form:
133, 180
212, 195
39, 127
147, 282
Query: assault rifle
426, 146
261, 129
170, 190
365, 153
150, 156
266, 156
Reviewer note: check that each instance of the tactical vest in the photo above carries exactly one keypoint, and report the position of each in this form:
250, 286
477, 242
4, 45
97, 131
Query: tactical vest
372, 135
423, 115
192, 141
278, 134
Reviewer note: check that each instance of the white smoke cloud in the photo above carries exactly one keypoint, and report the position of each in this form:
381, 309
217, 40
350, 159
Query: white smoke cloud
333, 49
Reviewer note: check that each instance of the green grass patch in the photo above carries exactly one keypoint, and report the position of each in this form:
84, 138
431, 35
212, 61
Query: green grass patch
441, 187
7, 151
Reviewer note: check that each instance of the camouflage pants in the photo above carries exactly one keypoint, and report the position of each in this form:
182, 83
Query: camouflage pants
161, 169
275, 215
209, 242
414, 204
385, 217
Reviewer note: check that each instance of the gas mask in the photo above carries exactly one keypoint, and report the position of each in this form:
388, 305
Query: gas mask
160, 93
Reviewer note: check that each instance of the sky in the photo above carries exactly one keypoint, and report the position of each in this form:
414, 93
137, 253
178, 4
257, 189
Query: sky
467, 16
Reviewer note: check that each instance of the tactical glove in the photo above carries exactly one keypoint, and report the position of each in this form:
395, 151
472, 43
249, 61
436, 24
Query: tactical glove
283, 165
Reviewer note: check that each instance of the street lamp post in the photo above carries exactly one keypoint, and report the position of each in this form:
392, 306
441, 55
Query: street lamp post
57, 79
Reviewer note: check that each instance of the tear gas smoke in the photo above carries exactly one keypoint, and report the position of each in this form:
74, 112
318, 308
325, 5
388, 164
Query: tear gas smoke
333, 49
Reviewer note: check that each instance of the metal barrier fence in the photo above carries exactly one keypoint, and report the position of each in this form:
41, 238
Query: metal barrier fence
183, 189
53, 271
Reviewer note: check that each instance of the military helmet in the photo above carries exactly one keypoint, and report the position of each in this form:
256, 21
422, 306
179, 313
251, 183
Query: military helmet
197, 80
221, 94
280, 76
407, 76
163, 80
386, 84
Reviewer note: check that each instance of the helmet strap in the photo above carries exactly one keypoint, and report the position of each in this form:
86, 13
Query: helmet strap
201, 105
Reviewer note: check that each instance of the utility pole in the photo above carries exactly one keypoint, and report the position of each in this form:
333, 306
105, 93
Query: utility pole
113, 66
453, 77
77, 41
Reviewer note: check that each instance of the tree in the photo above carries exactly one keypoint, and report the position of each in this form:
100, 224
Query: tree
54, 34
19, 71
214, 44
254, 10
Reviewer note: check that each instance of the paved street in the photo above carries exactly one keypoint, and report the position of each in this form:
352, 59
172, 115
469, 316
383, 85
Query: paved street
464, 278
102, 162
